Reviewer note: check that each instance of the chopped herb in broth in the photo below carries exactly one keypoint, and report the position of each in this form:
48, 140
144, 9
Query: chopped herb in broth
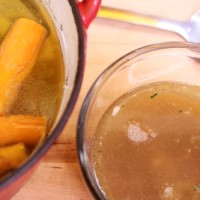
150, 149
30, 93
154, 95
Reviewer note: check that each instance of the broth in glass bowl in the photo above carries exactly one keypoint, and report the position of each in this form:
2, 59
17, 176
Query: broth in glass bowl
138, 134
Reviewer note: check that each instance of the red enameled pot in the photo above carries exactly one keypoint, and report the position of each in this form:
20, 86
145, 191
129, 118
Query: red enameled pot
71, 19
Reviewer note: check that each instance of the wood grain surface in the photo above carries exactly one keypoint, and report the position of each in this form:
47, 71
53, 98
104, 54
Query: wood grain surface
58, 176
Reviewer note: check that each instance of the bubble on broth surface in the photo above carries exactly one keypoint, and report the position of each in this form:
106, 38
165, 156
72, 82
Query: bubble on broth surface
168, 192
136, 134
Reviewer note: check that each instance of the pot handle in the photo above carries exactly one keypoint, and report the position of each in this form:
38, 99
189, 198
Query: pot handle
88, 10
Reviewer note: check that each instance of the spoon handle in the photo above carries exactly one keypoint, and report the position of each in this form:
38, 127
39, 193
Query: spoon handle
141, 19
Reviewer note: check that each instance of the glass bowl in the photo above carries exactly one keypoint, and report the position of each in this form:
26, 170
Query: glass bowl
171, 61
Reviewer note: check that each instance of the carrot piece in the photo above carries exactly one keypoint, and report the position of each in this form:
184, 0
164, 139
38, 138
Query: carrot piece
19, 128
18, 54
11, 157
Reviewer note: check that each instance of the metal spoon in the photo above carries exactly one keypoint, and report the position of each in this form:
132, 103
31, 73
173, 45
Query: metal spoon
189, 30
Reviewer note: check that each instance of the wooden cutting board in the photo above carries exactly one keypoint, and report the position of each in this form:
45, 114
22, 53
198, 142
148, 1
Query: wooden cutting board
58, 176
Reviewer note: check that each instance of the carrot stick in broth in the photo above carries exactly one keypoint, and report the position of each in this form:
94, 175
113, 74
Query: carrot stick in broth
21, 128
18, 54
11, 157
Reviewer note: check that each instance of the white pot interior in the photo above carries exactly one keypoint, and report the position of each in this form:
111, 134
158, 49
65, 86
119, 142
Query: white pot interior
63, 19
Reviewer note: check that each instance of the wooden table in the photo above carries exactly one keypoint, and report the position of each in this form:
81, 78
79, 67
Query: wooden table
58, 177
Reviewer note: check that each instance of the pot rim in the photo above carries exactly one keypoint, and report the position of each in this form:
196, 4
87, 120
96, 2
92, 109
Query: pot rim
36, 157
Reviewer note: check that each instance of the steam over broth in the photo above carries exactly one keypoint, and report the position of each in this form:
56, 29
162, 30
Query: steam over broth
147, 144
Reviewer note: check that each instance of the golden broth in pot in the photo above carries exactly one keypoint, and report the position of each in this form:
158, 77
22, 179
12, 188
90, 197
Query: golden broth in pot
39, 95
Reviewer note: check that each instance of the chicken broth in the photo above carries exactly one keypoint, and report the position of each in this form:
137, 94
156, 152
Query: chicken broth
147, 144
42, 90
31, 89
